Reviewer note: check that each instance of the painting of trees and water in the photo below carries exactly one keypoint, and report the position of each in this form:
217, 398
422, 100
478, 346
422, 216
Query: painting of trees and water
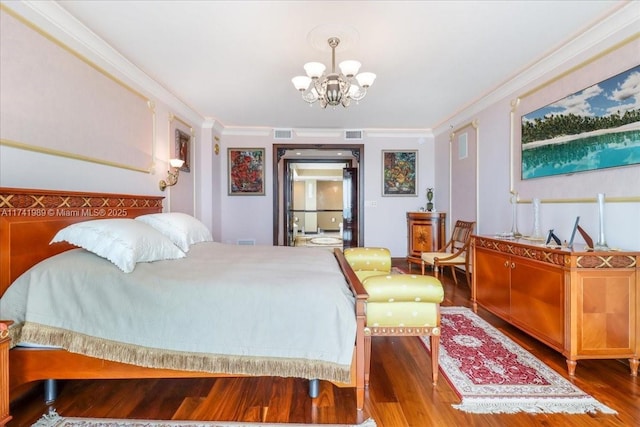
596, 128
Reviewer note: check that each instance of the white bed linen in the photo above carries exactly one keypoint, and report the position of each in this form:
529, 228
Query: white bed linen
221, 300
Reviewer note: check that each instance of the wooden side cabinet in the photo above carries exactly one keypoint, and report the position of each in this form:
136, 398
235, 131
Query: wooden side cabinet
585, 305
425, 233
4, 373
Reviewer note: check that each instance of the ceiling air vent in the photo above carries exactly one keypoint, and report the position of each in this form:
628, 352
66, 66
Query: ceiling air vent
282, 134
353, 134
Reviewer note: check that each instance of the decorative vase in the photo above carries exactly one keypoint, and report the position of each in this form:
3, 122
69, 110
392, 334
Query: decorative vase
601, 244
537, 234
430, 199
514, 215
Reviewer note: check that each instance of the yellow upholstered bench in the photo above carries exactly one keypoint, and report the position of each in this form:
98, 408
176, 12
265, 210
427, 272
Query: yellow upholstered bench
403, 305
398, 304
367, 262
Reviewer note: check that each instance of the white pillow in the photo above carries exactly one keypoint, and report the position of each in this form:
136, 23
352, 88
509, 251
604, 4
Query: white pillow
182, 229
122, 241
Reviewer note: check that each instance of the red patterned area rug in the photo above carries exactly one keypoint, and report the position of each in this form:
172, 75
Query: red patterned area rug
493, 374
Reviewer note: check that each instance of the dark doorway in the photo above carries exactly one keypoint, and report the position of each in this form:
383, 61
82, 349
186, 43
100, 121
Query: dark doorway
289, 217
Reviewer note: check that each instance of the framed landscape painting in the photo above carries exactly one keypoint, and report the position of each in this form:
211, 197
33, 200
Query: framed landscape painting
399, 173
246, 171
595, 128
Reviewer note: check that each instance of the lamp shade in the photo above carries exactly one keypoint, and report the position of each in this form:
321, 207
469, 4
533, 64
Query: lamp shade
349, 68
176, 163
354, 91
365, 79
314, 69
301, 82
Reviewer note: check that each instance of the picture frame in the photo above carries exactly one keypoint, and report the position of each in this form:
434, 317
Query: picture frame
245, 171
569, 186
400, 173
573, 232
597, 127
183, 149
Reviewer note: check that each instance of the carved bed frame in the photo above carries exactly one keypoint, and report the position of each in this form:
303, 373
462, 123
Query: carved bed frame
28, 221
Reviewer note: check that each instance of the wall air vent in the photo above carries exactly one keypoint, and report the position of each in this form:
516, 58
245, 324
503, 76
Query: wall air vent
247, 242
282, 134
353, 134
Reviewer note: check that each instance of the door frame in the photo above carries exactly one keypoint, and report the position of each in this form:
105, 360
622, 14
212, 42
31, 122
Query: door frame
279, 195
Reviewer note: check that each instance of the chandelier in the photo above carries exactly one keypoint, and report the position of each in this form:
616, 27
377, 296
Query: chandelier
333, 89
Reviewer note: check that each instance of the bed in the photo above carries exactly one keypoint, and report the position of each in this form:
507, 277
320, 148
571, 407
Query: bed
29, 219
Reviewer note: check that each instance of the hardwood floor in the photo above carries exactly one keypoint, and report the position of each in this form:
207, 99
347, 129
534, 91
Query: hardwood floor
400, 394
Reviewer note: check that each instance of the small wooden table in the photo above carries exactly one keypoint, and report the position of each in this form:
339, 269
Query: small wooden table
425, 233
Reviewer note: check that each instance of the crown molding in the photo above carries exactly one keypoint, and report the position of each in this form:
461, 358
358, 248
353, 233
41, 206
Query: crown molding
245, 131
399, 133
330, 133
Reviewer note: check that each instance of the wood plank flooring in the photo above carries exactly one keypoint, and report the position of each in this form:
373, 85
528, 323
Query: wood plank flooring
400, 394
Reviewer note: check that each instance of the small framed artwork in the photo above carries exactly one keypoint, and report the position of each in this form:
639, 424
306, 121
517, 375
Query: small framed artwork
182, 149
399, 173
246, 171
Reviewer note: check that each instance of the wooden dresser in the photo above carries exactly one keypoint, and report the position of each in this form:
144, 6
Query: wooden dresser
4, 374
425, 233
584, 304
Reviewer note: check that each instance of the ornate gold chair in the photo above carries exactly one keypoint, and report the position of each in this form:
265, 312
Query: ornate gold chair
398, 304
455, 252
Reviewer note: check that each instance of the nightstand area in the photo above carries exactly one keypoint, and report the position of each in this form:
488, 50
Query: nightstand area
425, 233
4, 372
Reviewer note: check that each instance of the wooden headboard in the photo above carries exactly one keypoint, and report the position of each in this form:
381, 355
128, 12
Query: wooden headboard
30, 218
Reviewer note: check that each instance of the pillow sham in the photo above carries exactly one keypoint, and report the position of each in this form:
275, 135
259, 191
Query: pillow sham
123, 241
182, 229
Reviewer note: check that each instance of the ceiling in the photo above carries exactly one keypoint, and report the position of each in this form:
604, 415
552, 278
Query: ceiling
232, 61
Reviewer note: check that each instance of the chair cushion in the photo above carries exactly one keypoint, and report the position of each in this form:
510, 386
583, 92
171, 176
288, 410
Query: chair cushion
402, 314
430, 258
376, 260
404, 288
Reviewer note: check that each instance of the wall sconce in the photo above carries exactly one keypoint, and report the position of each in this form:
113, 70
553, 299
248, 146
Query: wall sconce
174, 170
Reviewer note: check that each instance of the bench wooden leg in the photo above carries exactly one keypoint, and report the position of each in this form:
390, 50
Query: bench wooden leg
435, 357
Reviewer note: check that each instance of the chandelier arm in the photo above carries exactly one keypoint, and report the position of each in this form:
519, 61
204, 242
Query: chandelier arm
320, 86
309, 97
344, 86
360, 94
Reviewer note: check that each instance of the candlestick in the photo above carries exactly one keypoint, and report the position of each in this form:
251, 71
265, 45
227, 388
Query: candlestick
601, 244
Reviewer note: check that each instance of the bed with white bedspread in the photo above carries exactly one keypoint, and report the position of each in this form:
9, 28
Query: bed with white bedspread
222, 308
218, 310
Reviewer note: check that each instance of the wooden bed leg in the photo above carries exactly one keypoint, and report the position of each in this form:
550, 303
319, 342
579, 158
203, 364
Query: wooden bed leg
360, 398
367, 359
50, 391
314, 388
